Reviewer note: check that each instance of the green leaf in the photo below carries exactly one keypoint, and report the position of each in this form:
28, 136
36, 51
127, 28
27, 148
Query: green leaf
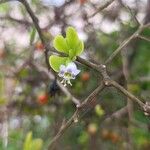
28, 141
72, 38
60, 44
79, 48
72, 54
76, 46
56, 61
31, 144
36, 144
71, 45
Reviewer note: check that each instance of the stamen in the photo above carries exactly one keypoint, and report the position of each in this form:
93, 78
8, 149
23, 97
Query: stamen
62, 81
69, 82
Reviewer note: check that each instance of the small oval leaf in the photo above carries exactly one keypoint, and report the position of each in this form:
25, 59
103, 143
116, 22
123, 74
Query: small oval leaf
72, 37
56, 61
79, 48
60, 44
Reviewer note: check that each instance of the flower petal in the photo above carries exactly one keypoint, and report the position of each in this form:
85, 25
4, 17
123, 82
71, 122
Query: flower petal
62, 71
62, 68
76, 72
71, 66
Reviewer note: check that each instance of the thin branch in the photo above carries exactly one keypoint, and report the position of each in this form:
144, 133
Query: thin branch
24, 22
61, 131
130, 11
126, 42
125, 92
117, 115
141, 79
125, 69
92, 95
101, 8
75, 117
36, 24
132, 14
144, 38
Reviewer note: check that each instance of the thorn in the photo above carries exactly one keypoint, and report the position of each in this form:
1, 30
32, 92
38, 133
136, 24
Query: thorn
106, 83
78, 105
146, 114
76, 120
104, 66
137, 34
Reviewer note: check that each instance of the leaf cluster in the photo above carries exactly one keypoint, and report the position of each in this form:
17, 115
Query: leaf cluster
70, 45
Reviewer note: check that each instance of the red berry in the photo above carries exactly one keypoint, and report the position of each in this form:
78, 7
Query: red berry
43, 99
85, 76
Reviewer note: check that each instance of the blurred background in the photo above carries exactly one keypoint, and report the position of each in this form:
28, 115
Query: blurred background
33, 107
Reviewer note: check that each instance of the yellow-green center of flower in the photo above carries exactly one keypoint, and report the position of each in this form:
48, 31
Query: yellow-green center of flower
68, 74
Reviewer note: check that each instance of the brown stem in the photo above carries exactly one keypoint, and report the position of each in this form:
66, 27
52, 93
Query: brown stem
36, 24
126, 42
101, 8
75, 116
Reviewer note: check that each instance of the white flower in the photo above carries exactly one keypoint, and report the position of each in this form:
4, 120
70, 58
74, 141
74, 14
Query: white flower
68, 72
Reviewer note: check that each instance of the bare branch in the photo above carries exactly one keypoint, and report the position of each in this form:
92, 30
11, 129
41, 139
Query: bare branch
144, 38
75, 116
128, 94
36, 24
117, 115
130, 11
126, 42
101, 8
10, 18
